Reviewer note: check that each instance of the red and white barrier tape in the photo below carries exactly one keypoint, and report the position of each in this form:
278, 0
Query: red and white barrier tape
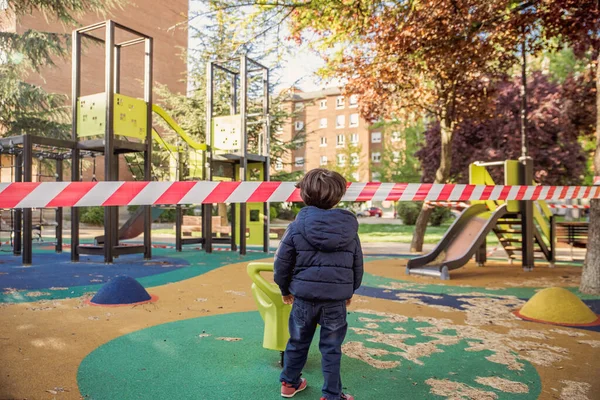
447, 204
575, 206
465, 205
78, 194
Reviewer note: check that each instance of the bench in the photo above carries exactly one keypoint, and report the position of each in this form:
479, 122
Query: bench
37, 223
277, 231
192, 223
575, 234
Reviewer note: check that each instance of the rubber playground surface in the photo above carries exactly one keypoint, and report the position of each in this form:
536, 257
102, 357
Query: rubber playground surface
409, 337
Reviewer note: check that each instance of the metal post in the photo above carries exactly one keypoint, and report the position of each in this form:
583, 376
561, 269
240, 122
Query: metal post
109, 145
207, 170
481, 254
117, 69
267, 163
234, 110
178, 222
527, 225
148, 153
59, 210
18, 214
526, 173
244, 133
27, 217
75, 92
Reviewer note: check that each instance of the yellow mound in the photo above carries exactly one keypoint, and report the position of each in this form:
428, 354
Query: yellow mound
557, 306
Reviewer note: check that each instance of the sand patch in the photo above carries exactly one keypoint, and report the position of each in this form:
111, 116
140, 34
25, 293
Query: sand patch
571, 333
458, 391
229, 339
594, 343
503, 385
575, 390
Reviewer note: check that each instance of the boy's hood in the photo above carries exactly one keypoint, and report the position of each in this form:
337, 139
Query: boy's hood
327, 230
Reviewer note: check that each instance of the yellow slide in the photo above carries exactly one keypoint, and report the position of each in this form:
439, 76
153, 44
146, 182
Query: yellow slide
180, 132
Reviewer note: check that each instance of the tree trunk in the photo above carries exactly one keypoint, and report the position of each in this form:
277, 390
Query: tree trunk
590, 277
441, 176
222, 207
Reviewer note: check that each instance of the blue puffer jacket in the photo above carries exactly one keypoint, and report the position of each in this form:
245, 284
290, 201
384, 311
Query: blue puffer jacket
320, 258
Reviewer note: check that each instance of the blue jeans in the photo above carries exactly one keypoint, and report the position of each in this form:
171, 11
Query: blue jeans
303, 322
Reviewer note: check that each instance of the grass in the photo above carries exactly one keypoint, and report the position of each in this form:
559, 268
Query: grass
403, 233
375, 233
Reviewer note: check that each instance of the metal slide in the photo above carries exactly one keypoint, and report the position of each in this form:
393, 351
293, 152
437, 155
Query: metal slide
459, 244
134, 225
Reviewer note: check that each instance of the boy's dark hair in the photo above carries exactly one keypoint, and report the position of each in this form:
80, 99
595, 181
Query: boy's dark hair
322, 188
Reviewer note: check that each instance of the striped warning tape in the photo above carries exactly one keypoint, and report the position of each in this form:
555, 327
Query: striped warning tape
460, 205
77, 194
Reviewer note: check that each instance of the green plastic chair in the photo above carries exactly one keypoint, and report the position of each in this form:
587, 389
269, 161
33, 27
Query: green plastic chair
273, 311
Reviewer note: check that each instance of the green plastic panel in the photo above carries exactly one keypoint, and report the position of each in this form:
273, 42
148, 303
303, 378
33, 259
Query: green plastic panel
130, 116
227, 133
91, 115
255, 217
480, 176
511, 177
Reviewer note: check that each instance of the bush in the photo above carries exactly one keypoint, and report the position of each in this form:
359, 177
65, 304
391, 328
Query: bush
439, 216
92, 215
273, 213
286, 214
409, 212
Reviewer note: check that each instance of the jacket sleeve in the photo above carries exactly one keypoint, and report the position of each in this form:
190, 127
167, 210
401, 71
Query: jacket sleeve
285, 261
358, 264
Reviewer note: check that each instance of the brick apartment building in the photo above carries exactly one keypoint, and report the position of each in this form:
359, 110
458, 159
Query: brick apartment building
331, 123
152, 17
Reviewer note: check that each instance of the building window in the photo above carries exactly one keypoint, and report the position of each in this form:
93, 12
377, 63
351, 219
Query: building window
298, 106
395, 136
376, 157
354, 138
354, 100
299, 125
395, 156
356, 176
375, 137
278, 165
299, 162
353, 119
323, 141
323, 160
3, 4
323, 123
323, 104
341, 160
340, 102
340, 121
341, 140
375, 176
354, 159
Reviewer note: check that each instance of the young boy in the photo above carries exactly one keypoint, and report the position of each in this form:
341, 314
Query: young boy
318, 266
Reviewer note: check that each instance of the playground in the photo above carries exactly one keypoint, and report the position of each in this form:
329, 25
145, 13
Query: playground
126, 315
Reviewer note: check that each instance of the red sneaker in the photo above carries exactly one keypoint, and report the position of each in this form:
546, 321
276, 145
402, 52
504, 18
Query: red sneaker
343, 397
288, 390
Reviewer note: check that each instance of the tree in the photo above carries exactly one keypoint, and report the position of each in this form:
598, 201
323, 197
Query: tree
26, 108
409, 59
554, 127
398, 160
347, 162
577, 22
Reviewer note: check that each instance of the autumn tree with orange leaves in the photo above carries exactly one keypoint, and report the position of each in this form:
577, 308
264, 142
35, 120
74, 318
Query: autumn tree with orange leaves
409, 59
